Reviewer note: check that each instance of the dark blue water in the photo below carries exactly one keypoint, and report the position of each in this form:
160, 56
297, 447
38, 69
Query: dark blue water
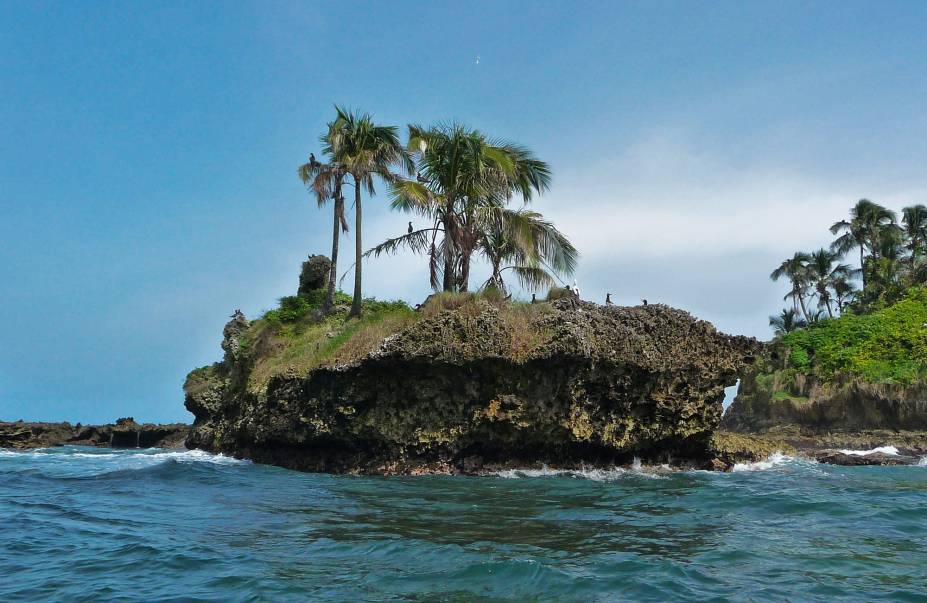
80, 524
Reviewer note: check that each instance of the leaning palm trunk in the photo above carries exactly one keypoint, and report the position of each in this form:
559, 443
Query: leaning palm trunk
358, 250
336, 236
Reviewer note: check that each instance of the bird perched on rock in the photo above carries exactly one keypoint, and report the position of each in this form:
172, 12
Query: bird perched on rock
645, 301
608, 299
410, 228
534, 298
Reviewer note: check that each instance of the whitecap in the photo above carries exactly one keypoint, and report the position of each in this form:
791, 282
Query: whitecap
596, 475
890, 450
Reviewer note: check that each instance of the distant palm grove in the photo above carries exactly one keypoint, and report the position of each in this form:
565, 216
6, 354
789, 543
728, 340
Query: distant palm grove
892, 258
461, 182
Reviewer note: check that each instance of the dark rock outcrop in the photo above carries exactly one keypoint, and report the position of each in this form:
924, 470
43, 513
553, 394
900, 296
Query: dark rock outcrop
462, 391
314, 274
125, 433
836, 457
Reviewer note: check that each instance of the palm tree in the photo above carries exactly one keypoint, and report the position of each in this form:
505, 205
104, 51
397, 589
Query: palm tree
365, 150
796, 270
463, 179
914, 219
787, 321
886, 270
843, 291
862, 230
326, 180
530, 246
823, 274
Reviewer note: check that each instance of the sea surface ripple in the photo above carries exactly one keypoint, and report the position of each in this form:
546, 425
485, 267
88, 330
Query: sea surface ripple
82, 524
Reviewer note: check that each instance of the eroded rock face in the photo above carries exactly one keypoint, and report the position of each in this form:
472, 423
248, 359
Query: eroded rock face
462, 392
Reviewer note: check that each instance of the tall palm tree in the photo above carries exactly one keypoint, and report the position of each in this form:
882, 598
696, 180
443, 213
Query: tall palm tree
463, 178
787, 321
530, 246
862, 230
823, 273
365, 150
886, 273
796, 270
326, 180
914, 220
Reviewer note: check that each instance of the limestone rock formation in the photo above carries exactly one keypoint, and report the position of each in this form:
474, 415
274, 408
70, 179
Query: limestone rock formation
770, 398
464, 391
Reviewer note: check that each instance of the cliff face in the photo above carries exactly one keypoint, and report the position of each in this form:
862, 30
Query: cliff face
856, 372
483, 385
780, 399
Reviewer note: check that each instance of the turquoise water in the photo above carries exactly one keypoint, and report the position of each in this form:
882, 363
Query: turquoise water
80, 524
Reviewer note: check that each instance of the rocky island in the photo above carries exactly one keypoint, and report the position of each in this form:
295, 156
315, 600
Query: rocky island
466, 383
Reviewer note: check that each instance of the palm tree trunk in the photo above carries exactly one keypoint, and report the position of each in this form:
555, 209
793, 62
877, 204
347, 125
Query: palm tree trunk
804, 311
336, 236
862, 266
464, 271
358, 249
450, 277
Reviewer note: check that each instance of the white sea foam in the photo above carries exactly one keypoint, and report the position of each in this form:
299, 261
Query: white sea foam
775, 459
596, 475
883, 449
922, 462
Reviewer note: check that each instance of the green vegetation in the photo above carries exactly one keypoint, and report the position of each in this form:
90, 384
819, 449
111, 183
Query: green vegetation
464, 182
296, 337
892, 259
885, 346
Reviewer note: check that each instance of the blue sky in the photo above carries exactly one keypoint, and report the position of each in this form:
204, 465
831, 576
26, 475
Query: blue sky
147, 164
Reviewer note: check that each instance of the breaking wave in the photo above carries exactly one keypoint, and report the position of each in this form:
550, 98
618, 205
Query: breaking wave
891, 450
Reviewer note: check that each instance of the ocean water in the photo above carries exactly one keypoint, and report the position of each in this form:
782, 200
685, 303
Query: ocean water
80, 524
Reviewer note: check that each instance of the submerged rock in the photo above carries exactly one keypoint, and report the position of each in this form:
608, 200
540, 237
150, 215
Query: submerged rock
462, 389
